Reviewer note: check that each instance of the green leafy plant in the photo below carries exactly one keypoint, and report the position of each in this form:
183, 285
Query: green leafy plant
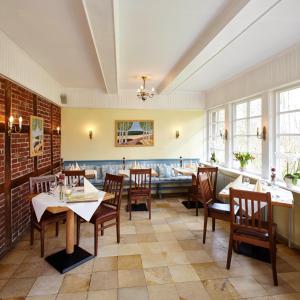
213, 157
291, 174
243, 158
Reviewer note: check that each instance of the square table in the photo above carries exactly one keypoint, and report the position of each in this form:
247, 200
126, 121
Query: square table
73, 256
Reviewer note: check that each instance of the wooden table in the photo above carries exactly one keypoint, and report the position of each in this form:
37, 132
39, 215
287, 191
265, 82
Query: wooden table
73, 256
280, 197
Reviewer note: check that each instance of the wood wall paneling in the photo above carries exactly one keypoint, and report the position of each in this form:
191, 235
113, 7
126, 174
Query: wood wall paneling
16, 165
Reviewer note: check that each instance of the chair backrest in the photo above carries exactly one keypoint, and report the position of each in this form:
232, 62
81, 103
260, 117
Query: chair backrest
41, 184
74, 174
114, 184
250, 217
140, 179
212, 173
206, 190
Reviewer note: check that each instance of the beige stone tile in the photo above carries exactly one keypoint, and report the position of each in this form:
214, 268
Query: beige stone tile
176, 258
158, 275
192, 291
247, 287
86, 268
146, 238
129, 262
292, 279
163, 292
154, 260
103, 294
2, 283
162, 228
7, 270
128, 229
41, 297
45, 285
183, 235
182, 273
72, 296
165, 236
140, 293
266, 281
107, 250
105, 264
150, 248
170, 246
191, 245
293, 296
16, 287
210, 271
178, 226
104, 281
220, 289
144, 228
129, 249
128, 239
14, 257
131, 278
74, 283
198, 256
29, 270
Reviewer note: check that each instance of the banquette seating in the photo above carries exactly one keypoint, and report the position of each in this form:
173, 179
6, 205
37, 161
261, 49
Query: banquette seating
166, 182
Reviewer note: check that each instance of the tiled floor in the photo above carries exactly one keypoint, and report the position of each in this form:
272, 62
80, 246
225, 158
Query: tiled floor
160, 259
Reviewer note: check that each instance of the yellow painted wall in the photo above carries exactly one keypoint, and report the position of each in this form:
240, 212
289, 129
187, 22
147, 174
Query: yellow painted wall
76, 144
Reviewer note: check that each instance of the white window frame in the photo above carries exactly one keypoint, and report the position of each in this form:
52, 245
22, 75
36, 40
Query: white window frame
234, 119
209, 126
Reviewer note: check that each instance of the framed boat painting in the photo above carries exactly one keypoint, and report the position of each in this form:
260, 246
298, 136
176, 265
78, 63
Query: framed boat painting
36, 136
134, 133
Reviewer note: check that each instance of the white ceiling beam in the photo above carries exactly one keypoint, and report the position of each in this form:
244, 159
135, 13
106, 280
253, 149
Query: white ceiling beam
102, 17
232, 22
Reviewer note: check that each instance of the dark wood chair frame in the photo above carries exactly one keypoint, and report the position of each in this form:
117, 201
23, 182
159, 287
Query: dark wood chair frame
139, 188
249, 226
113, 184
39, 185
213, 210
72, 174
194, 192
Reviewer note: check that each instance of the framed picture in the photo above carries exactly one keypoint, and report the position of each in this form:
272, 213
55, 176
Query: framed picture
36, 136
134, 133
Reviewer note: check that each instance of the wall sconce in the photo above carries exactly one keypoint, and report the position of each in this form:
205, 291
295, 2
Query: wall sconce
261, 135
91, 134
13, 128
224, 135
58, 130
177, 134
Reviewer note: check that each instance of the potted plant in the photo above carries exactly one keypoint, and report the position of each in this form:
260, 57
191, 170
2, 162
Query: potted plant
290, 177
243, 158
213, 159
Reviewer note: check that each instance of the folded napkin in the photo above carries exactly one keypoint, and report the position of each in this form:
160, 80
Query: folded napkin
258, 187
238, 180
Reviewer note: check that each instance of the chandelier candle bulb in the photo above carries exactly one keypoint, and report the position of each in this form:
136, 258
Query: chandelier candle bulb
20, 122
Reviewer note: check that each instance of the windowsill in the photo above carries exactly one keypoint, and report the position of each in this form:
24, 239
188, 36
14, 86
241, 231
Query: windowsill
294, 189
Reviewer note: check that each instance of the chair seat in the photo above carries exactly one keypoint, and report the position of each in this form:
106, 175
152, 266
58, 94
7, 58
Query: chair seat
48, 217
103, 212
222, 208
139, 192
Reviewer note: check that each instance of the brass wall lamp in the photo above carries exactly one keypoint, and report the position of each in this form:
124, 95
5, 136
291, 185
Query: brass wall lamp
261, 134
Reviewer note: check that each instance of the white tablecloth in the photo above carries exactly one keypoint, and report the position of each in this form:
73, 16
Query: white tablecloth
84, 209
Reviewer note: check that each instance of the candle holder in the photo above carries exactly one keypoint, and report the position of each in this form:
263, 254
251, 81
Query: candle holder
13, 128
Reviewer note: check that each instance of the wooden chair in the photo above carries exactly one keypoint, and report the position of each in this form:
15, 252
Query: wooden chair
74, 174
212, 209
194, 192
248, 226
42, 185
139, 188
107, 211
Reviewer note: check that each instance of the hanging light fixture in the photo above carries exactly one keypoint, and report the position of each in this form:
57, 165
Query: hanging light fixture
142, 92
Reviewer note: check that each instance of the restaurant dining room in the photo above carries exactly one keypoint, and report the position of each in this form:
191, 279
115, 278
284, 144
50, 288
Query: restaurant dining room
149, 149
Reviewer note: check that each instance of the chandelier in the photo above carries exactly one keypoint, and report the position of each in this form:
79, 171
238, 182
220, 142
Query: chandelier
142, 92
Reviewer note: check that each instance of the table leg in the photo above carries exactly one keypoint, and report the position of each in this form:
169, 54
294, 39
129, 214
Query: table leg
290, 229
70, 232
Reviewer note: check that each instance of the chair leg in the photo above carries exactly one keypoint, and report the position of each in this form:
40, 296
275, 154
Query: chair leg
204, 228
129, 207
273, 262
31, 233
197, 205
213, 224
42, 240
95, 239
102, 230
149, 207
78, 230
229, 254
56, 228
118, 229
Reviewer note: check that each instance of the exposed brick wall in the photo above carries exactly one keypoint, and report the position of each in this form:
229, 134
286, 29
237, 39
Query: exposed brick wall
21, 162
14, 189
20, 217
3, 242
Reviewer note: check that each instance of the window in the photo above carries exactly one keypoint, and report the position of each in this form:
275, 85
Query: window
288, 130
246, 120
216, 131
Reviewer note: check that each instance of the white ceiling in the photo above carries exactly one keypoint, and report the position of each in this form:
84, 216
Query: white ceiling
184, 45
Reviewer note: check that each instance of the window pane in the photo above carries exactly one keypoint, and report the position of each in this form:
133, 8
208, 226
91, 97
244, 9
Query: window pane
289, 123
255, 107
289, 145
240, 144
213, 116
254, 123
254, 145
289, 100
220, 155
222, 115
256, 164
241, 110
241, 127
